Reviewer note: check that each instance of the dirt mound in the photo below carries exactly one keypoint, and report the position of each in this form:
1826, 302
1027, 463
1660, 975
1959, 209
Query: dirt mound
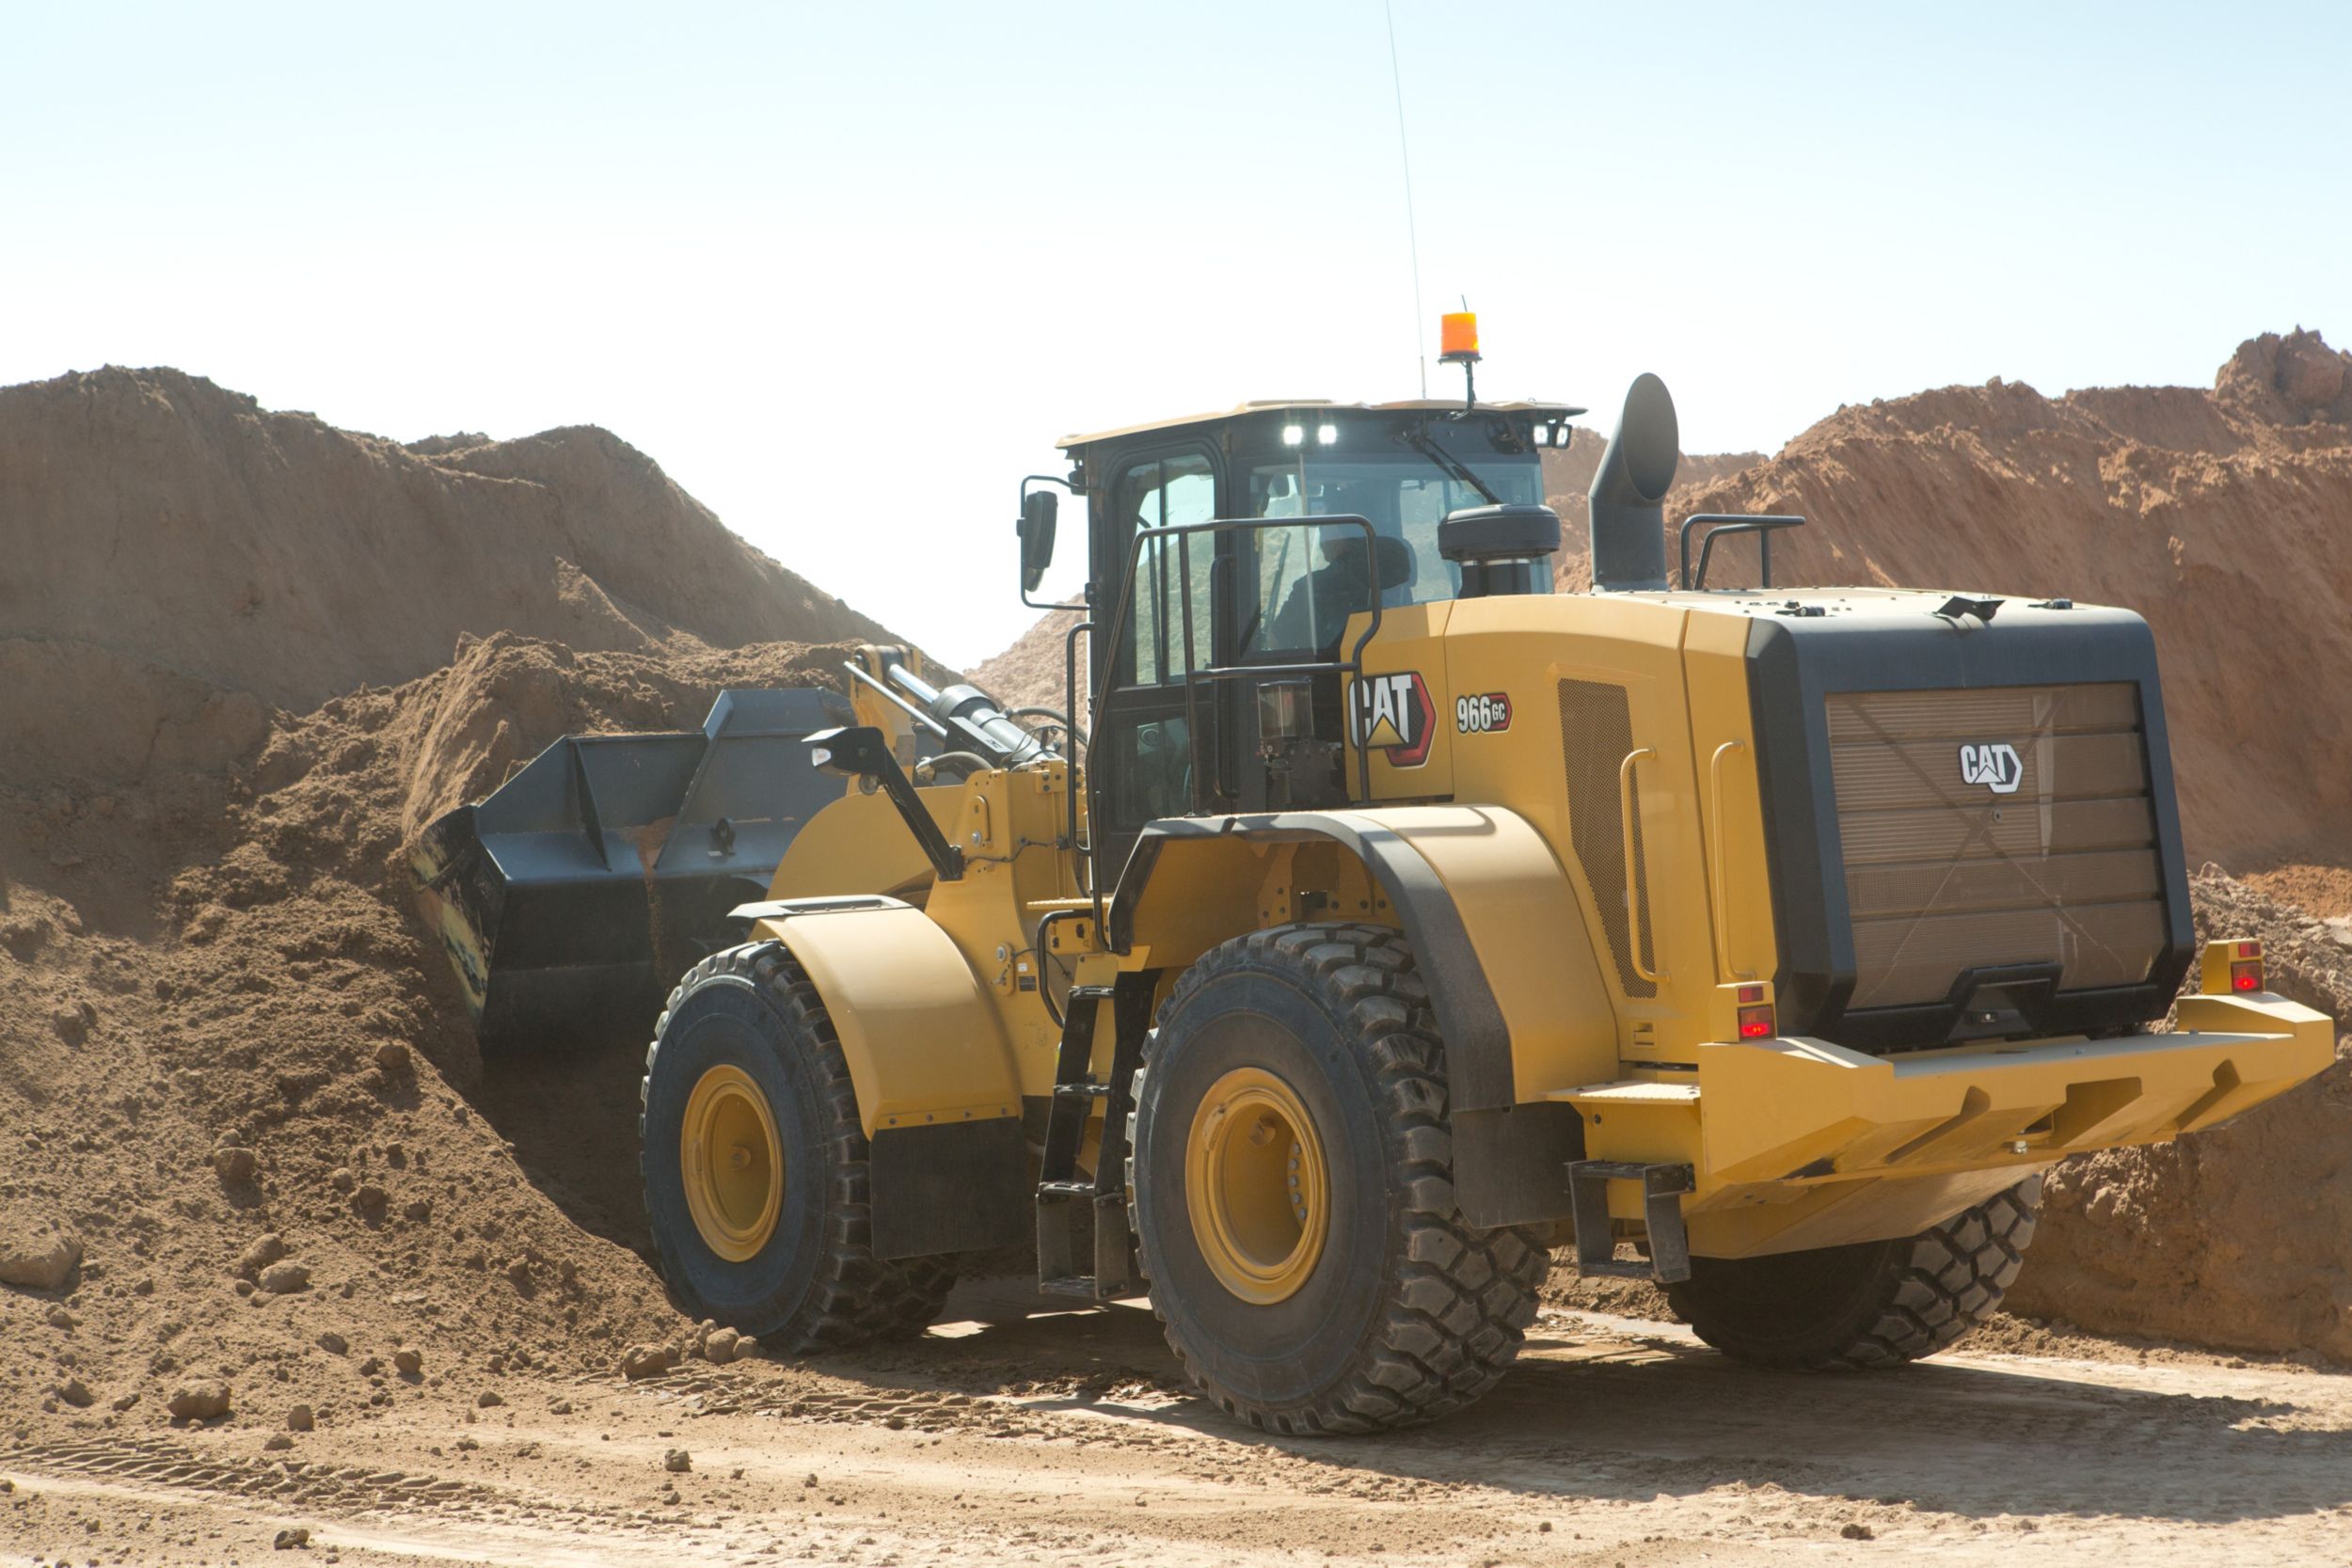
262, 1118
157, 514
2239, 1237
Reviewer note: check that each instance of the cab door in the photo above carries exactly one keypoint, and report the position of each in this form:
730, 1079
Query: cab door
1147, 758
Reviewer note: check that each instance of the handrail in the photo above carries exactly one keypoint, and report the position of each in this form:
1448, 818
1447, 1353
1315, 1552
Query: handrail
1725, 524
1077, 740
1634, 909
1352, 665
1722, 896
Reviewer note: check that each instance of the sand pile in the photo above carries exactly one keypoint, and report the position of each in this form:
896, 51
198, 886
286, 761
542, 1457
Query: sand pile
2240, 1237
259, 1122
156, 514
250, 1139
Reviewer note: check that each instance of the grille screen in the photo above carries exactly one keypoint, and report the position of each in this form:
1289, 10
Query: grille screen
1596, 732
1945, 872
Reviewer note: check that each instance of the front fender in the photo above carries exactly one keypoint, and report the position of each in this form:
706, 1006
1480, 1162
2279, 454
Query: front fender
937, 1092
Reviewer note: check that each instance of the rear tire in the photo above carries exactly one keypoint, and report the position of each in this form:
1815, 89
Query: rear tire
1873, 1305
783, 1252
1359, 1299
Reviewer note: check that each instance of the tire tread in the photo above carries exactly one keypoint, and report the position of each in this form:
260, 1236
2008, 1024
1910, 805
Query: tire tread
1462, 1298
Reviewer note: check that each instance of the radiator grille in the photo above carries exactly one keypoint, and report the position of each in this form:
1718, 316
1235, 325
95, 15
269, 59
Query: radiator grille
1596, 732
1945, 874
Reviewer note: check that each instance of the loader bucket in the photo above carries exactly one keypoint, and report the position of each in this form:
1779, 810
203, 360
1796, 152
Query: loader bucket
573, 896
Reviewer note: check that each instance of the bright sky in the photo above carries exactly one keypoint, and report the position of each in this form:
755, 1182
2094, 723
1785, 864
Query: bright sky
846, 271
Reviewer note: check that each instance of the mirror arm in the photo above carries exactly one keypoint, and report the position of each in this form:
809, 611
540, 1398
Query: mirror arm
1021, 564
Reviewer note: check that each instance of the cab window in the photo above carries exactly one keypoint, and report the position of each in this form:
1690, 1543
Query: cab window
1167, 491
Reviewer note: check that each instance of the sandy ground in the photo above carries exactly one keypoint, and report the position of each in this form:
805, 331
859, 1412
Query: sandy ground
1061, 1437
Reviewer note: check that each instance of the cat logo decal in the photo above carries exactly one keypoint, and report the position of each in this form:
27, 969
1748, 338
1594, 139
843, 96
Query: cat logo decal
1393, 714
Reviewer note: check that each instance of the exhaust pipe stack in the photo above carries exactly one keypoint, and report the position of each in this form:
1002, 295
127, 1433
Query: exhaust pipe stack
1628, 493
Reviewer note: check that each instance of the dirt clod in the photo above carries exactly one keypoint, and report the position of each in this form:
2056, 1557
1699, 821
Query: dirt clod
201, 1400
677, 1461
301, 1418
285, 1279
286, 1540
265, 1250
645, 1360
36, 1253
408, 1362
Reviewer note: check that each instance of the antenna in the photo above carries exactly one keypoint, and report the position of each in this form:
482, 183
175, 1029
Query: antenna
1412, 230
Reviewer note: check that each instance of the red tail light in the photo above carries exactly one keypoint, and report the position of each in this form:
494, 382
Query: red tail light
1757, 1023
2247, 974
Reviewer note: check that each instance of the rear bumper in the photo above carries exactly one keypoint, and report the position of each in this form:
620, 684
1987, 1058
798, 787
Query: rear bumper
1799, 1143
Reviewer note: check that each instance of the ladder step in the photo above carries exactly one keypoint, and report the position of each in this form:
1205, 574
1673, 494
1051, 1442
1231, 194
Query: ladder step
1662, 1186
1093, 993
1081, 1091
1065, 1189
1068, 1285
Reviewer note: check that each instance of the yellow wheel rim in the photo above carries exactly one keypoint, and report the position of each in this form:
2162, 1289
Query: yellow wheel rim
1257, 1187
732, 1163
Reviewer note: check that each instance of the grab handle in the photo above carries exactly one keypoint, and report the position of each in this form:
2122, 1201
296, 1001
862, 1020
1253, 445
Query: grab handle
1722, 894
1635, 914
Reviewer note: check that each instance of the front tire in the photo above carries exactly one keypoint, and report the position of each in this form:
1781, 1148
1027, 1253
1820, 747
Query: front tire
1873, 1305
1294, 1178
754, 1165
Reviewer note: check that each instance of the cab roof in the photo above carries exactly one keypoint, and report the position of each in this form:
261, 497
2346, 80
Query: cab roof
1320, 405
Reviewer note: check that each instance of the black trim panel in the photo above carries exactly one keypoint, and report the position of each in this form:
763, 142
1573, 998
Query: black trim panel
1477, 1041
1795, 663
959, 1186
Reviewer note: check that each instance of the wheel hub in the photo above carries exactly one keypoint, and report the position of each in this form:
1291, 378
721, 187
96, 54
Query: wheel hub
1257, 1187
732, 1162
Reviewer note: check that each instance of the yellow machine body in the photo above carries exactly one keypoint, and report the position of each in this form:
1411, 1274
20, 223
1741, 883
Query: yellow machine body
1585, 1005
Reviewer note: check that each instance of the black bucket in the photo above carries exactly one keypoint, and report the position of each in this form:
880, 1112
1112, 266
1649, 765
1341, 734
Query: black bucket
572, 899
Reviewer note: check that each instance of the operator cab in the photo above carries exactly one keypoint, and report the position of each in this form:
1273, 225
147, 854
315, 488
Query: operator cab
1321, 511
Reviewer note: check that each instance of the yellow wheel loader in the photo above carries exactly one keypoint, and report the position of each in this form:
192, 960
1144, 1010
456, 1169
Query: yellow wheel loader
1386, 918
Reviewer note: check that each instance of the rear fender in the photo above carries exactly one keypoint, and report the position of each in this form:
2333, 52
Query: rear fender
1501, 942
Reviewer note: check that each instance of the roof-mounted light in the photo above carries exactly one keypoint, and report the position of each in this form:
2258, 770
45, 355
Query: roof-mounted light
1328, 434
1294, 435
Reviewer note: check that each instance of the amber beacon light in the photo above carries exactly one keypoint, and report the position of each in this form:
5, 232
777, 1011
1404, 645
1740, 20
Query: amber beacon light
1458, 338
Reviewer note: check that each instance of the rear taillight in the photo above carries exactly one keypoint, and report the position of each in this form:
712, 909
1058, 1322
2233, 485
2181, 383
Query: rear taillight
2234, 968
1756, 1014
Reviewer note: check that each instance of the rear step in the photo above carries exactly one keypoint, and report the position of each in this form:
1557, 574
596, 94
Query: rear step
1060, 1189
1663, 1187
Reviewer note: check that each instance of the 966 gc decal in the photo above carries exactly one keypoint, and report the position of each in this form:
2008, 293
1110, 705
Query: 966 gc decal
1487, 713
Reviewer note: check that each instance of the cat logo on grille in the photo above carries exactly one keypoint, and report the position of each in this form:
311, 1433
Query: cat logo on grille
1393, 714
1993, 765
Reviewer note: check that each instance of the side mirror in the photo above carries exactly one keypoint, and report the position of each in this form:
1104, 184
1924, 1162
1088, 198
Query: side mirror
1039, 509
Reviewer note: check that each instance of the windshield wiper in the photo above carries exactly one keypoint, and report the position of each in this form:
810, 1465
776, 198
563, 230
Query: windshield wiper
1449, 464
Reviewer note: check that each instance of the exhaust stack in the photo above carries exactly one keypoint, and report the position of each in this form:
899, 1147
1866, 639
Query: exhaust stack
1628, 493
